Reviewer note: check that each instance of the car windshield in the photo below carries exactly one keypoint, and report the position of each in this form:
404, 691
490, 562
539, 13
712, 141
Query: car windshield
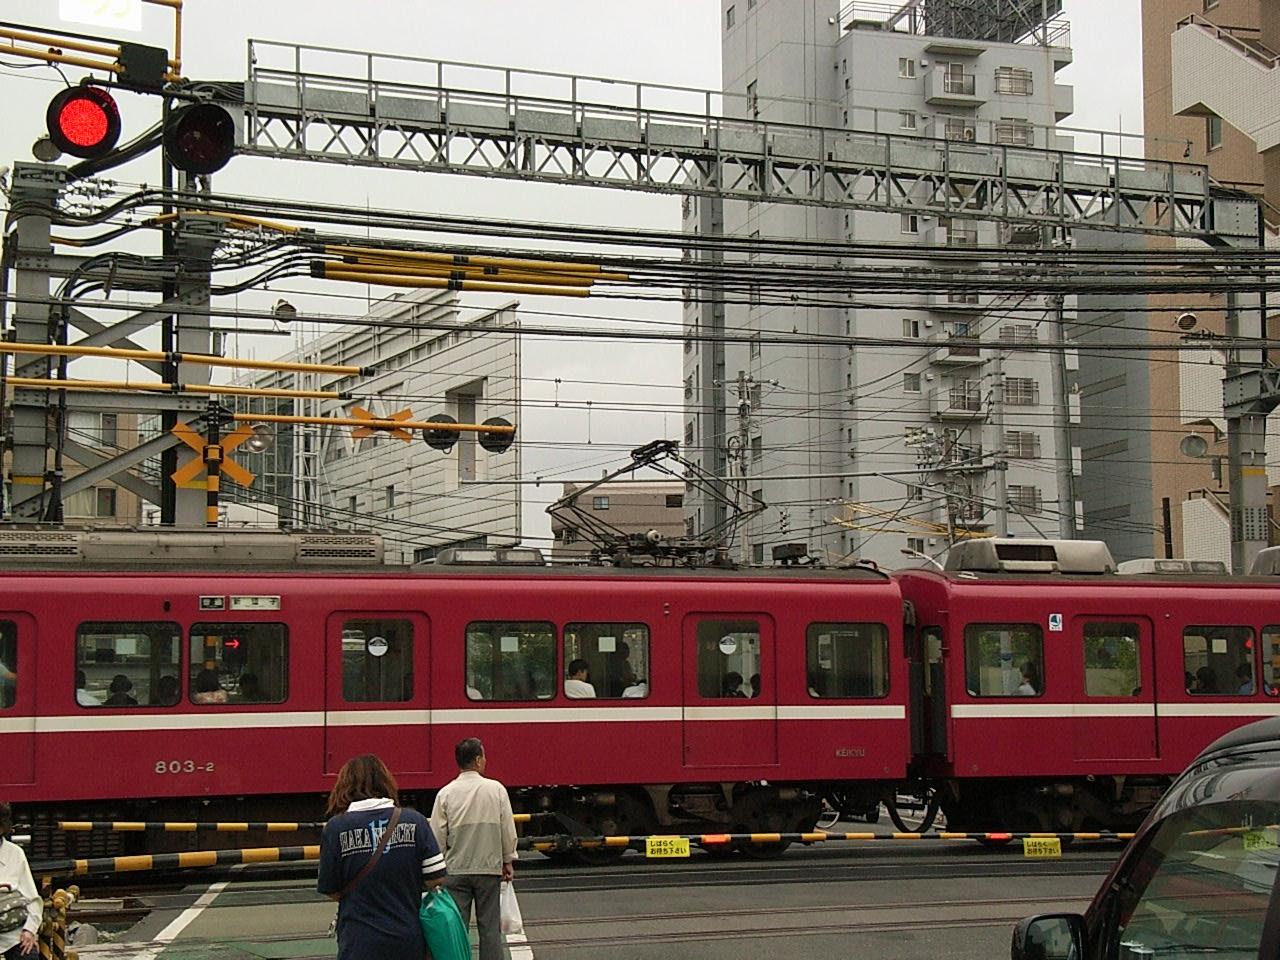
1203, 884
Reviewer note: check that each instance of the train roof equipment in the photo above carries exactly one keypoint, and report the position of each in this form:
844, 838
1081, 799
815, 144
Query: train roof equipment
1010, 555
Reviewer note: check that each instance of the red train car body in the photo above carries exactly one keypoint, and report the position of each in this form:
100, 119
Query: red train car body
1018, 695
469, 652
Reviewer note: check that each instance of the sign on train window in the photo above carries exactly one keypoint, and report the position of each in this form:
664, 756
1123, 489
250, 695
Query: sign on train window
1271, 661
1112, 661
849, 660
8, 664
377, 661
1218, 661
1004, 660
128, 664
239, 663
728, 658
511, 661
616, 656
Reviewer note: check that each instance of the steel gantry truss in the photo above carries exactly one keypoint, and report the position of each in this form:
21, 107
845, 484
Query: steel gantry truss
368, 109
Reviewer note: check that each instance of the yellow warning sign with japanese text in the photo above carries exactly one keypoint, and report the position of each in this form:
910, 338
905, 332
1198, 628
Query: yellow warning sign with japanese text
666, 846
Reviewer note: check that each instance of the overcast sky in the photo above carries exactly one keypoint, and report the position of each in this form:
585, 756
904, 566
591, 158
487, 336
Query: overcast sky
661, 41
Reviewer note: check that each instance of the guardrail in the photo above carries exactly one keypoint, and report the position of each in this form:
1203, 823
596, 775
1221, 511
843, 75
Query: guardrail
200, 859
229, 826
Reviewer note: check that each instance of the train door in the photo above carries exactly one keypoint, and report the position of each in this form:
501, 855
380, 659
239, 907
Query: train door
377, 690
1115, 714
18, 698
730, 716
931, 719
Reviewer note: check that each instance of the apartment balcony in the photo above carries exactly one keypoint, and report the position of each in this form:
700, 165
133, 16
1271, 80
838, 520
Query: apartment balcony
955, 301
957, 234
948, 88
1064, 101
958, 403
1227, 72
956, 351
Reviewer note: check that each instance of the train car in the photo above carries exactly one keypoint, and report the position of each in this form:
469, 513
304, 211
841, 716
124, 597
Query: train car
1053, 693
230, 676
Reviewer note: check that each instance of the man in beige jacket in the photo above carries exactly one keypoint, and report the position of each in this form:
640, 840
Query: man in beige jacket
473, 824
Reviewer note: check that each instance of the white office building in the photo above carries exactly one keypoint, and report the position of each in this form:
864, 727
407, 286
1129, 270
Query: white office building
429, 360
869, 450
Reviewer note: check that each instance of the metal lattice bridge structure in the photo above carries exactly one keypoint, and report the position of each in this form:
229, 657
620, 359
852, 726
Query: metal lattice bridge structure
339, 106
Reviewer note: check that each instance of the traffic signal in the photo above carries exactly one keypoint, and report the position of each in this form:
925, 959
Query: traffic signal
199, 138
440, 439
497, 442
84, 122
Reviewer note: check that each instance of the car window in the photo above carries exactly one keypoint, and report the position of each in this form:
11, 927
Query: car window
1203, 884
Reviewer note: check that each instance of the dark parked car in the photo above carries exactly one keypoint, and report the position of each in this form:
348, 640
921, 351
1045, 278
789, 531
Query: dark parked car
1199, 879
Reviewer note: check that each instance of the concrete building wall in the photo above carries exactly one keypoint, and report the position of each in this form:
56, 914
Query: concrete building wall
420, 498
1235, 162
628, 507
829, 424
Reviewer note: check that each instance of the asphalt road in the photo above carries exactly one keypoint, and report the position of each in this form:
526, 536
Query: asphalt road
908, 901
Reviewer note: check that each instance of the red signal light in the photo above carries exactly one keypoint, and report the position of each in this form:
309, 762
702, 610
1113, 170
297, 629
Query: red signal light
232, 643
84, 122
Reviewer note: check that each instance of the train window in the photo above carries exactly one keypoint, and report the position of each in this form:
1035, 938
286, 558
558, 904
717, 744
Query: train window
848, 660
8, 664
728, 659
616, 655
235, 663
1112, 666
377, 661
1271, 661
511, 661
128, 664
1004, 660
1218, 661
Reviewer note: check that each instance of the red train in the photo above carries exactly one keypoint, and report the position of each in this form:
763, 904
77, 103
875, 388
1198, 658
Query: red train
1028, 687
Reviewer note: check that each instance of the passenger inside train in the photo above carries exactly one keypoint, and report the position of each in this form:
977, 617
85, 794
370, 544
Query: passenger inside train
577, 685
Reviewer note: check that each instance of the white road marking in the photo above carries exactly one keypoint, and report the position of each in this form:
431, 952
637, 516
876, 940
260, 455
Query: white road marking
174, 928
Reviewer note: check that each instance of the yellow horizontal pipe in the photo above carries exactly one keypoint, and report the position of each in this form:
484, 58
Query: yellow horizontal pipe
375, 253
335, 272
522, 270
469, 273
129, 353
233, 220
145, 387
375, 424
61, 43
50, 57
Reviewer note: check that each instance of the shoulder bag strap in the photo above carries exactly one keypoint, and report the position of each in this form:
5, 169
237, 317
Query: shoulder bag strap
377, 855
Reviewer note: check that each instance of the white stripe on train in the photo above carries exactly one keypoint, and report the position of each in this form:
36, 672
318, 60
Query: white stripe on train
1033, 711
93, 721
89, 722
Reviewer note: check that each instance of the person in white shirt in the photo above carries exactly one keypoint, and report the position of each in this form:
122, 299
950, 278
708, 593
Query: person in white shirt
16, 875
83, 697
473, 824
577, 687
638, 690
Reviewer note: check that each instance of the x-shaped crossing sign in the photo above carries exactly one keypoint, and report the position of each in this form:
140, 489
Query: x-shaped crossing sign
189, 473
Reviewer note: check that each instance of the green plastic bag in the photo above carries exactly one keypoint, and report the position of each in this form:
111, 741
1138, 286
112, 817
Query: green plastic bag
443, 927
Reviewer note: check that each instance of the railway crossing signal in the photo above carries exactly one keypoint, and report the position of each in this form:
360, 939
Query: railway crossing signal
83, 121
199, 138
212, 460
359, 433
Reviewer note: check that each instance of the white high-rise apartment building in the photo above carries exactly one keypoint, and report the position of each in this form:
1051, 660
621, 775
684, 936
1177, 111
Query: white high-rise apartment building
869, 450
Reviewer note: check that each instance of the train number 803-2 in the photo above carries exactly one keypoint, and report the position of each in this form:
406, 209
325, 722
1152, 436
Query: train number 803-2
183, 766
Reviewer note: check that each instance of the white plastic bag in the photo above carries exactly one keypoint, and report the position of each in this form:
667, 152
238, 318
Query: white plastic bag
512, 922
